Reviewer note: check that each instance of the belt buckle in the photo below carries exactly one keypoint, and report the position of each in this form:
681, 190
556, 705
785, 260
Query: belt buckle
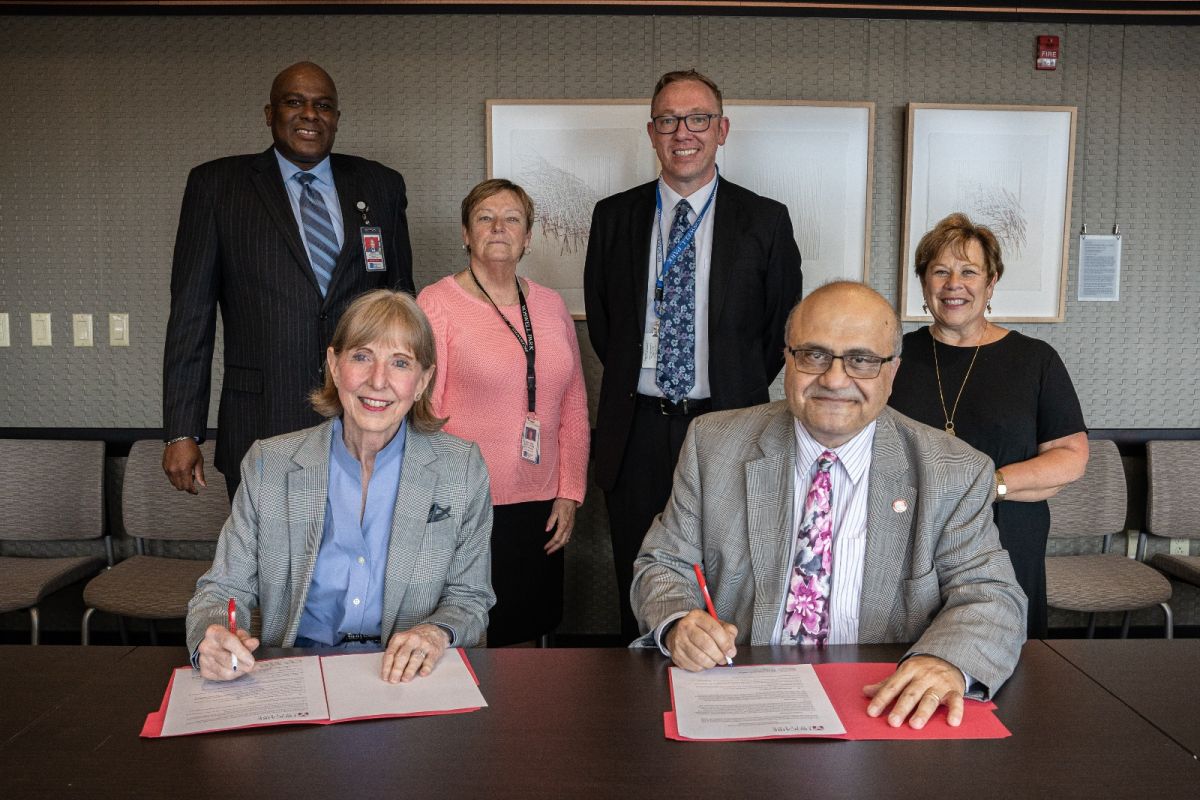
669, 409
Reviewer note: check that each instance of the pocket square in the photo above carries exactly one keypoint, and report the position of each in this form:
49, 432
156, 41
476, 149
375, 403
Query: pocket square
437, 513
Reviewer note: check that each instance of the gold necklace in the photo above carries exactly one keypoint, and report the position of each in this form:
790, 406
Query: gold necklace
937, 370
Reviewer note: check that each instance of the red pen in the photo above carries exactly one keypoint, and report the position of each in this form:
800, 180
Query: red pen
233, 625
708, 600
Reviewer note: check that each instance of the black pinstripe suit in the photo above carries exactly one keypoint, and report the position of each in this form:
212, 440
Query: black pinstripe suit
239, 247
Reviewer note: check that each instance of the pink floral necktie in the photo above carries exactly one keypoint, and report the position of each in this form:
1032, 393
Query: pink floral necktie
806, 617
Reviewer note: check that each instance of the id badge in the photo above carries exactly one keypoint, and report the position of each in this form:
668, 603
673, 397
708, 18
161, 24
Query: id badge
372, 245
531, 441
650, 348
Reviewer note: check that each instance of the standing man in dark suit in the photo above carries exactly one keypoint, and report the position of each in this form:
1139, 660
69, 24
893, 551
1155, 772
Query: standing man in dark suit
282, 241
688, 282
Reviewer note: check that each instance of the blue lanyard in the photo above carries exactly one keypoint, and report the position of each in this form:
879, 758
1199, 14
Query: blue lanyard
665, 265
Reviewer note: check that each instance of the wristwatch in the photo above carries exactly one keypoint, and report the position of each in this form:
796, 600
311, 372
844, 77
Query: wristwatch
1001, 486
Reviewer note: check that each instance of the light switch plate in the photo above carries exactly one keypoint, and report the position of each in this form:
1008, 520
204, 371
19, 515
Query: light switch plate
82, 327
118, 330
4, 340
39, 330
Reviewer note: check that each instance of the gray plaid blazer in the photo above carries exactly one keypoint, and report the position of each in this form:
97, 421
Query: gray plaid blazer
439, 556
934, 574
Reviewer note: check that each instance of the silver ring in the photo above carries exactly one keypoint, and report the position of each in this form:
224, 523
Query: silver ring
420, 653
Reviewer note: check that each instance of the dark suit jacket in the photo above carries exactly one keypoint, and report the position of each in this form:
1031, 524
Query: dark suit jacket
239, 247
753, 282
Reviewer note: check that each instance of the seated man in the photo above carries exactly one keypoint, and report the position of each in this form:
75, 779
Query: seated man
833, 519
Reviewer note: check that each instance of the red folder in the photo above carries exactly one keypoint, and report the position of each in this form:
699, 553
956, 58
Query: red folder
843, 683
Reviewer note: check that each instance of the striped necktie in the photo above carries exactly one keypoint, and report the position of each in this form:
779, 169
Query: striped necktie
318, 231
806, 617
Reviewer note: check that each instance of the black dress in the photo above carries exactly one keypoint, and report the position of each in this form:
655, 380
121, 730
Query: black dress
1017, 395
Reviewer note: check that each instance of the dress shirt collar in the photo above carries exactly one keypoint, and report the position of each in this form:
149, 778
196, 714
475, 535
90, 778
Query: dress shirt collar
671, 198
323, 171
854, 455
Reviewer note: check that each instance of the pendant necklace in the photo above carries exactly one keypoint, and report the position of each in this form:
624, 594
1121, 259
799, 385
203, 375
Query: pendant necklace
949, 415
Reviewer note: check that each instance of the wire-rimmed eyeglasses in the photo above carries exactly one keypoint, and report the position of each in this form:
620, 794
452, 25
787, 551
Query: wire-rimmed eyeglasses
696, 123
811, 361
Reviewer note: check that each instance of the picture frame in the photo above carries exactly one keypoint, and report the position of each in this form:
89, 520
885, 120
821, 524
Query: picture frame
814, 156
1009, 167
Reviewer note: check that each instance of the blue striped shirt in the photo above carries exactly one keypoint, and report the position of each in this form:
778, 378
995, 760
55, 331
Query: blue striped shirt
325, 187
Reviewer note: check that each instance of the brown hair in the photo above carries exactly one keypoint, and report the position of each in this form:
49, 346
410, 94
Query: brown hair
687, 75
957, 231
388, 316
490, 188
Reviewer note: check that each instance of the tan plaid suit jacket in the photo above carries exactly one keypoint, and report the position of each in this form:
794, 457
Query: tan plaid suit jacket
934, 572
438, 570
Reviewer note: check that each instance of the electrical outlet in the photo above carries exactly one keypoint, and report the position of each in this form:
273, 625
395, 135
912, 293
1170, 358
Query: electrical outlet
4, 340
1180, 547
39, 330
118, 330
82, 325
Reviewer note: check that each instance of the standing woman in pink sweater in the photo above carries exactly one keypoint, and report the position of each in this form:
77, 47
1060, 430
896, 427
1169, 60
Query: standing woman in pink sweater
509, 378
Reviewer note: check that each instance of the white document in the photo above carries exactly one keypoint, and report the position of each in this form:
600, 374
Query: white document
752, 702
295, 690
279, 690
355, 690
1099, 267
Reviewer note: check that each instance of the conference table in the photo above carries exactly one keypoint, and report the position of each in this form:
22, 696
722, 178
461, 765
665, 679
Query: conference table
565, 723
1157, 678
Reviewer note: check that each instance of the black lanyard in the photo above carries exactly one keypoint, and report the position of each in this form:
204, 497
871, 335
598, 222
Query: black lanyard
526, 343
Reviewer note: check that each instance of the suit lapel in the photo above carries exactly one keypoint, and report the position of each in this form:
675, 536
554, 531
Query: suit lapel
413, 499
641, 226
268, 181
308, 490
349, 193
720, 269
888, 530
769, 519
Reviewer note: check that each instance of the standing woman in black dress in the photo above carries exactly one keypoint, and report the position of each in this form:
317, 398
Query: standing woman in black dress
1005, 394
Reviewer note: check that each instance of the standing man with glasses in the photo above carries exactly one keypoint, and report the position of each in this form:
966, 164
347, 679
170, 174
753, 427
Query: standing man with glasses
687, 283
833, 519
281, 241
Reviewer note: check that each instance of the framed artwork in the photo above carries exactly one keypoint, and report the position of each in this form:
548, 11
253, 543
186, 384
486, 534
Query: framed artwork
1006, 167
568, 154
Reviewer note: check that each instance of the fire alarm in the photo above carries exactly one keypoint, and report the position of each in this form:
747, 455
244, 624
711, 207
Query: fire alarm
1047, 52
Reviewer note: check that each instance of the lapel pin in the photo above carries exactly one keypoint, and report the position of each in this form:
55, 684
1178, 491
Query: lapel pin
900, 505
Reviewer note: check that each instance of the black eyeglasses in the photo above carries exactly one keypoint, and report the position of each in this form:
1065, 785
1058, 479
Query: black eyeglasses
696, 123
818, 362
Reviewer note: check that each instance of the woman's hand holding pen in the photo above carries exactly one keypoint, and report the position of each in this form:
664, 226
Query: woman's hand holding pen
218, 649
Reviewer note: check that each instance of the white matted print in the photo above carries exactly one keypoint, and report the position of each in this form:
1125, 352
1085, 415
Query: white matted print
814, 157
1006, 167
568, 155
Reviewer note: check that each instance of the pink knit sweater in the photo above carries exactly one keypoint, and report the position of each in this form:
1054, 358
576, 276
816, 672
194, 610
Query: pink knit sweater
480, 386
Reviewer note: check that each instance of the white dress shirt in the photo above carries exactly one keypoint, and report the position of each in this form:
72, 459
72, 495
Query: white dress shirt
703, 241
848, 505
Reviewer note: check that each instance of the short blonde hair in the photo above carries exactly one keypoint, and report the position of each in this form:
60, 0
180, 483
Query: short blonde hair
490, 188
384, 315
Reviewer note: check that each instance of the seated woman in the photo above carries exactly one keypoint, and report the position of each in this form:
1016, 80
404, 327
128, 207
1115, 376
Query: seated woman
371, 527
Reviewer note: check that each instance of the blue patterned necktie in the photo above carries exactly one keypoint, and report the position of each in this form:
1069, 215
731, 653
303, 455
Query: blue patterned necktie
318, 231
676, 373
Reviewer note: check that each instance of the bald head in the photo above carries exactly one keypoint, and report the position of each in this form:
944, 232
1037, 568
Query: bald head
303, 114
841, 319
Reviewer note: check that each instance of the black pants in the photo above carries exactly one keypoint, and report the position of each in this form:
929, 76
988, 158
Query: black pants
642, 489
528, 583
